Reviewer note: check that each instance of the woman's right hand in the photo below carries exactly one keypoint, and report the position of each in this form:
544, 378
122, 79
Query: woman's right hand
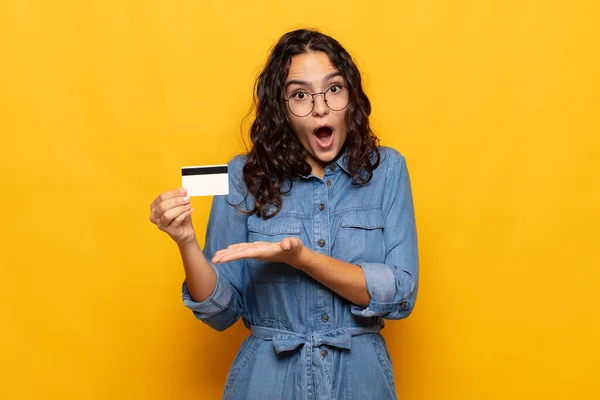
171, 212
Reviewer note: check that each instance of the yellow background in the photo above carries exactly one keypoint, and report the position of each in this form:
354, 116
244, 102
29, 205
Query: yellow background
494, 104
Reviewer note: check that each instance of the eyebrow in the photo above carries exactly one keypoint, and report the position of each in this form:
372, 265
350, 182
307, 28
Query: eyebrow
305, 83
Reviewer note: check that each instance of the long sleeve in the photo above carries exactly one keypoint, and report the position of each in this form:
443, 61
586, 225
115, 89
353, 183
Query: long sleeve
393, 284
225, 226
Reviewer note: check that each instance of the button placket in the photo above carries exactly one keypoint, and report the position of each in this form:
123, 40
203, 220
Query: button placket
320, 238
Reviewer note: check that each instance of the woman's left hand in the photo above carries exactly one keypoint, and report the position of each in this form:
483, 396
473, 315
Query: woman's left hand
287, 251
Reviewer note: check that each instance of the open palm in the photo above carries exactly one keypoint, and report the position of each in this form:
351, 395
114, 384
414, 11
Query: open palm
286, 251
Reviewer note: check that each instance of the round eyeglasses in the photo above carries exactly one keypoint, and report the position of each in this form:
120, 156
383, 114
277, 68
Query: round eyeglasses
302, 103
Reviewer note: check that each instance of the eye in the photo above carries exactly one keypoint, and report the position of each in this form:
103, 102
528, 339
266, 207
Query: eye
335, 88
300, 96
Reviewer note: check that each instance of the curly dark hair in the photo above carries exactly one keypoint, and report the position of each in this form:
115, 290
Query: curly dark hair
276, 154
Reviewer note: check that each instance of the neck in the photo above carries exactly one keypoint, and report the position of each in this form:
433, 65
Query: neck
317, 169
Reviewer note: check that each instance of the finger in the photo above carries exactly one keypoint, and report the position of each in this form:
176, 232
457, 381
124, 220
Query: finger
166, 196
167, 217
239, 246
256, 249
177, 221
169, 204
233, 246
235, 255
224, 252
291, 243
243, 244
295, 243
219, 253
262, 251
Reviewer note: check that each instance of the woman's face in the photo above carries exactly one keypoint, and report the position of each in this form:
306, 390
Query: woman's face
323, 131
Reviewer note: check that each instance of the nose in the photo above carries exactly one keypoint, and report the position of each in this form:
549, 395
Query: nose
320, 108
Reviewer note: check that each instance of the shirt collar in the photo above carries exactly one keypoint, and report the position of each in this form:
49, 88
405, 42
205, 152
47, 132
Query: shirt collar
342, 162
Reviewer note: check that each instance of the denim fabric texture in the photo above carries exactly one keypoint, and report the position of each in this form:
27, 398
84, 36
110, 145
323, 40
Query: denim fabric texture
307, 342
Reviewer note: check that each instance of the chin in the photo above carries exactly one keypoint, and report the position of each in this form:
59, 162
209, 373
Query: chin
328, 157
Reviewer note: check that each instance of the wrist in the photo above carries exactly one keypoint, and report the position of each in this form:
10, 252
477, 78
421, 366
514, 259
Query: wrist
302, 259
187, 243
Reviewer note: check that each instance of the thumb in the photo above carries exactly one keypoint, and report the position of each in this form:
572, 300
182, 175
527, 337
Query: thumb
286, 244
291, 243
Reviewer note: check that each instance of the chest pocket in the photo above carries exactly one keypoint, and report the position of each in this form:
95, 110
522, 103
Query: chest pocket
359, 236
274, 229
277, 286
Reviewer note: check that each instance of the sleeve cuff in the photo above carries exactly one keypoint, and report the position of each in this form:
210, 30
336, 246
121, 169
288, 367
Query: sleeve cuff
218, 301
381, 309
381, 285
381, 282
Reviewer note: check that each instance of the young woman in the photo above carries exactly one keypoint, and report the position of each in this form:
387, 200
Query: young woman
315, 245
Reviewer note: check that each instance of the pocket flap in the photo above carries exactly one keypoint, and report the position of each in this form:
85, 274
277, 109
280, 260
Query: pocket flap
365, 219
279, 225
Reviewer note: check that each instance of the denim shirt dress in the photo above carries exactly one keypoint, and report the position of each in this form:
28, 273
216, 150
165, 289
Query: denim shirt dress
306, 341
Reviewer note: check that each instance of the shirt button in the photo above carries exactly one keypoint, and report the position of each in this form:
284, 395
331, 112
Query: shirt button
321, 207
324, 317
328, 182
324, 353
403, 304
321, 243
332, 167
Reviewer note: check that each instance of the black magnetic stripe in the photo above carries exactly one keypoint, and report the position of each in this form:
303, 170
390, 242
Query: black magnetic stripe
203, 170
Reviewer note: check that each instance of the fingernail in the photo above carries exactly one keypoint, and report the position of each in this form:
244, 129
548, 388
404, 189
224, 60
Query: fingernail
186, 199
181, 191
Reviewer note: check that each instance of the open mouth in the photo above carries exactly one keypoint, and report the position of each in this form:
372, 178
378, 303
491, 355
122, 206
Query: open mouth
324, 135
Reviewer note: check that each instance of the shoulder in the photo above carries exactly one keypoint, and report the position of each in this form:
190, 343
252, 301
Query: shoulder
391, 159
237, 186
235, 166
235, 169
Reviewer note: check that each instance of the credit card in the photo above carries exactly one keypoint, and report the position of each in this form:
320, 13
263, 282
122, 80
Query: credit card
205, 180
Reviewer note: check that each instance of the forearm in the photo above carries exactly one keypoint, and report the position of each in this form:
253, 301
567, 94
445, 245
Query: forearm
200, 277
347, 280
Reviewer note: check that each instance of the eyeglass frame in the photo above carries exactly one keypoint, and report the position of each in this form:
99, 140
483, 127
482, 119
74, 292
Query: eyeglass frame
313, 100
